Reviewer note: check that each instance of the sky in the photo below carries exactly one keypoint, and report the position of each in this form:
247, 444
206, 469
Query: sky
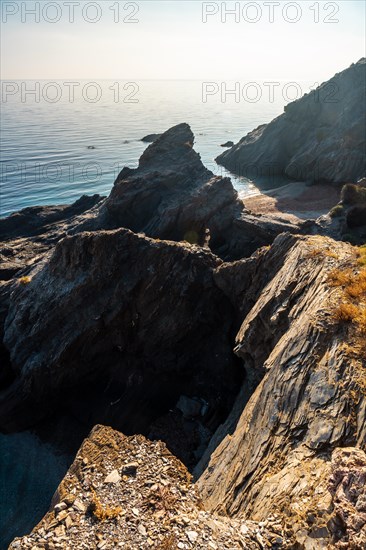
182, 39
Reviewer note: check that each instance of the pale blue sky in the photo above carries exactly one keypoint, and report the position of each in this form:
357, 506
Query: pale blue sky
171, 41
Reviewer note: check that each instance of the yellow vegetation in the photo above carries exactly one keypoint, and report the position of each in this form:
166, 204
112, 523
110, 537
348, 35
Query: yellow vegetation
25, 280
168, 543
353, 284
321, 253
346, 313
361, 253
103, 513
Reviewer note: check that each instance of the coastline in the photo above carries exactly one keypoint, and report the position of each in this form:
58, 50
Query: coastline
295, 201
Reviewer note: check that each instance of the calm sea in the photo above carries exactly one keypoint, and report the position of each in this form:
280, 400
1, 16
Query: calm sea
62, 139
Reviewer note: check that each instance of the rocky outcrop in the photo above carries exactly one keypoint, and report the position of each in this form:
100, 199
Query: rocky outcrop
116, 327
320, 137
38, 220
172, 195
348, 217
27, 235
130, 492
310, 397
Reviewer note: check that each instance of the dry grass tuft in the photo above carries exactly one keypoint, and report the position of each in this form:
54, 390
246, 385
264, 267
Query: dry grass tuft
340, 277
353, 284
361, 253
346, 313
322, 253
102, 513
168, 543
25, 280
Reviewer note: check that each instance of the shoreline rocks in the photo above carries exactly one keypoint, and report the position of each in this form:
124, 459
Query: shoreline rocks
321, 136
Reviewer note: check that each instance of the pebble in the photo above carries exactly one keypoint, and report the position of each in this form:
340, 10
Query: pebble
79, 505
192, 536
113, 477
142, 530
59, 507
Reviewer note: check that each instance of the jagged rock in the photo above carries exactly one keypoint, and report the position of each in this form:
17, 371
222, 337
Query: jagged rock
160, 508
227, 144
310, 384
118, 326
172, 195
26, 236
38, 220
320, 137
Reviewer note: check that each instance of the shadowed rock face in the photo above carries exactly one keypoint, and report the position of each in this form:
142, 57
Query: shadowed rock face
118, 326
320, 137
310, 399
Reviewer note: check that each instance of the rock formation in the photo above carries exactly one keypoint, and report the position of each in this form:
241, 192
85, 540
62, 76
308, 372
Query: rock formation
172, 195
310, 399
320, 137
349, 215
27, 235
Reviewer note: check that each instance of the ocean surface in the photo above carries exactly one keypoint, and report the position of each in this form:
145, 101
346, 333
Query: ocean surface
61, 140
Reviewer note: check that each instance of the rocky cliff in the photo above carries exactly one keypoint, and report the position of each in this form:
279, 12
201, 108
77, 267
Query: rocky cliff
320, 137
310, 400
172, 195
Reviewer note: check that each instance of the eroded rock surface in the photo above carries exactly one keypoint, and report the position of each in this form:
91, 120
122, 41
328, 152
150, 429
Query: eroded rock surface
320, 137
310, 398
348, 488
128, 492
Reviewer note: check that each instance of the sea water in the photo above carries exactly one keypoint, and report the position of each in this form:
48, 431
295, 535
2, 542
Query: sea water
63, 139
